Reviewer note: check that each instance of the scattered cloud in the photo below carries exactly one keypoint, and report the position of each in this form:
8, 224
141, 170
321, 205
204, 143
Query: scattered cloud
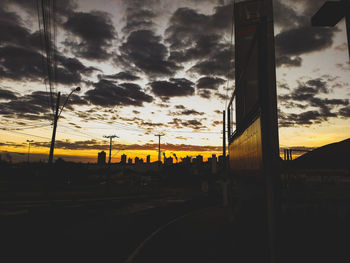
90, 35
194, 124
144, 49
107, 93
123, 75
175, 87
209, 83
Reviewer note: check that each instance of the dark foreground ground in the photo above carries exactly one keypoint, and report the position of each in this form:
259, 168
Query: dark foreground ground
94, 231
178, 226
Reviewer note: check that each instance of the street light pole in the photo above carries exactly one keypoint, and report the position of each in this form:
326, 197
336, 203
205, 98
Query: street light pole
29, 142
58, 112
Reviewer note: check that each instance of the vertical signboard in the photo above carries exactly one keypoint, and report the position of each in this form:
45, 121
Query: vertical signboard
253, 146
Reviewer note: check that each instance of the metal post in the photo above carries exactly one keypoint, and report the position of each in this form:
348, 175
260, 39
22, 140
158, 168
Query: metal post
224, 140
159, 155
29, 142
52, 147
110, 150
28, 152
223, 134
347, 22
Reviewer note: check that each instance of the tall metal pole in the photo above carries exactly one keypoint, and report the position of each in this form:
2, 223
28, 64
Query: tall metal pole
159, 157
110, 150
52, 147
56, 117
347, 22
223, 134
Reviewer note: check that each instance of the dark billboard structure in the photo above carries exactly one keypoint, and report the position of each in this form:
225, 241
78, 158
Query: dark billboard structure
252, 115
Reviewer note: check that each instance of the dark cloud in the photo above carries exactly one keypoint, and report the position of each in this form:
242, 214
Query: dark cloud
345, 112
298, 41
186, 112
91, 35
62, 7
13, 30
7, 95
175, 87
288, 61
304, 118
138, 19
97, 145
305, 96
209, 83
205, 93
145, 50
216, 123
194, 124
35, 105
298, 37
204, 45
107, 93
180, 107
195, 36
123, 75
220, 63
186, 26
19, 63
285, 16
221, 96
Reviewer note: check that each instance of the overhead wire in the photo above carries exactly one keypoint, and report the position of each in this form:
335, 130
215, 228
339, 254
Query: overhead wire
28, 134
229, 64
42, 46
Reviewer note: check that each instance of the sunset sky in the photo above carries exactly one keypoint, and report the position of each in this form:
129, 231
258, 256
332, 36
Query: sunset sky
161, 66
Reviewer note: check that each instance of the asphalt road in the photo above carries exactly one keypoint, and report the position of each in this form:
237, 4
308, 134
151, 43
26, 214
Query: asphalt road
94, 230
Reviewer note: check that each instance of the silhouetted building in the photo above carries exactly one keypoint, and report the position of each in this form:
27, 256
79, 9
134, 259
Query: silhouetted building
186, 160
213, 164
198, 160
148, 158
168, 160
138, 160
123, 159
129, 161
101, 158
221, 160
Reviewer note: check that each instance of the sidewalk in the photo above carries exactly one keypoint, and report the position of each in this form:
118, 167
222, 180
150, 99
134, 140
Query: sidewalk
203, 236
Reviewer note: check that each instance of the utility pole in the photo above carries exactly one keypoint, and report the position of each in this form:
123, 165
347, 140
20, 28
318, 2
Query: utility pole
55, 119
159, 135
29, 142
110, 146
223, 135
58, 112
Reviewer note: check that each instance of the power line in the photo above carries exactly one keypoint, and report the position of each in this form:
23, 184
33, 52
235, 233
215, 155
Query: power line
26, 128
23, 133
228, 67
76, 130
